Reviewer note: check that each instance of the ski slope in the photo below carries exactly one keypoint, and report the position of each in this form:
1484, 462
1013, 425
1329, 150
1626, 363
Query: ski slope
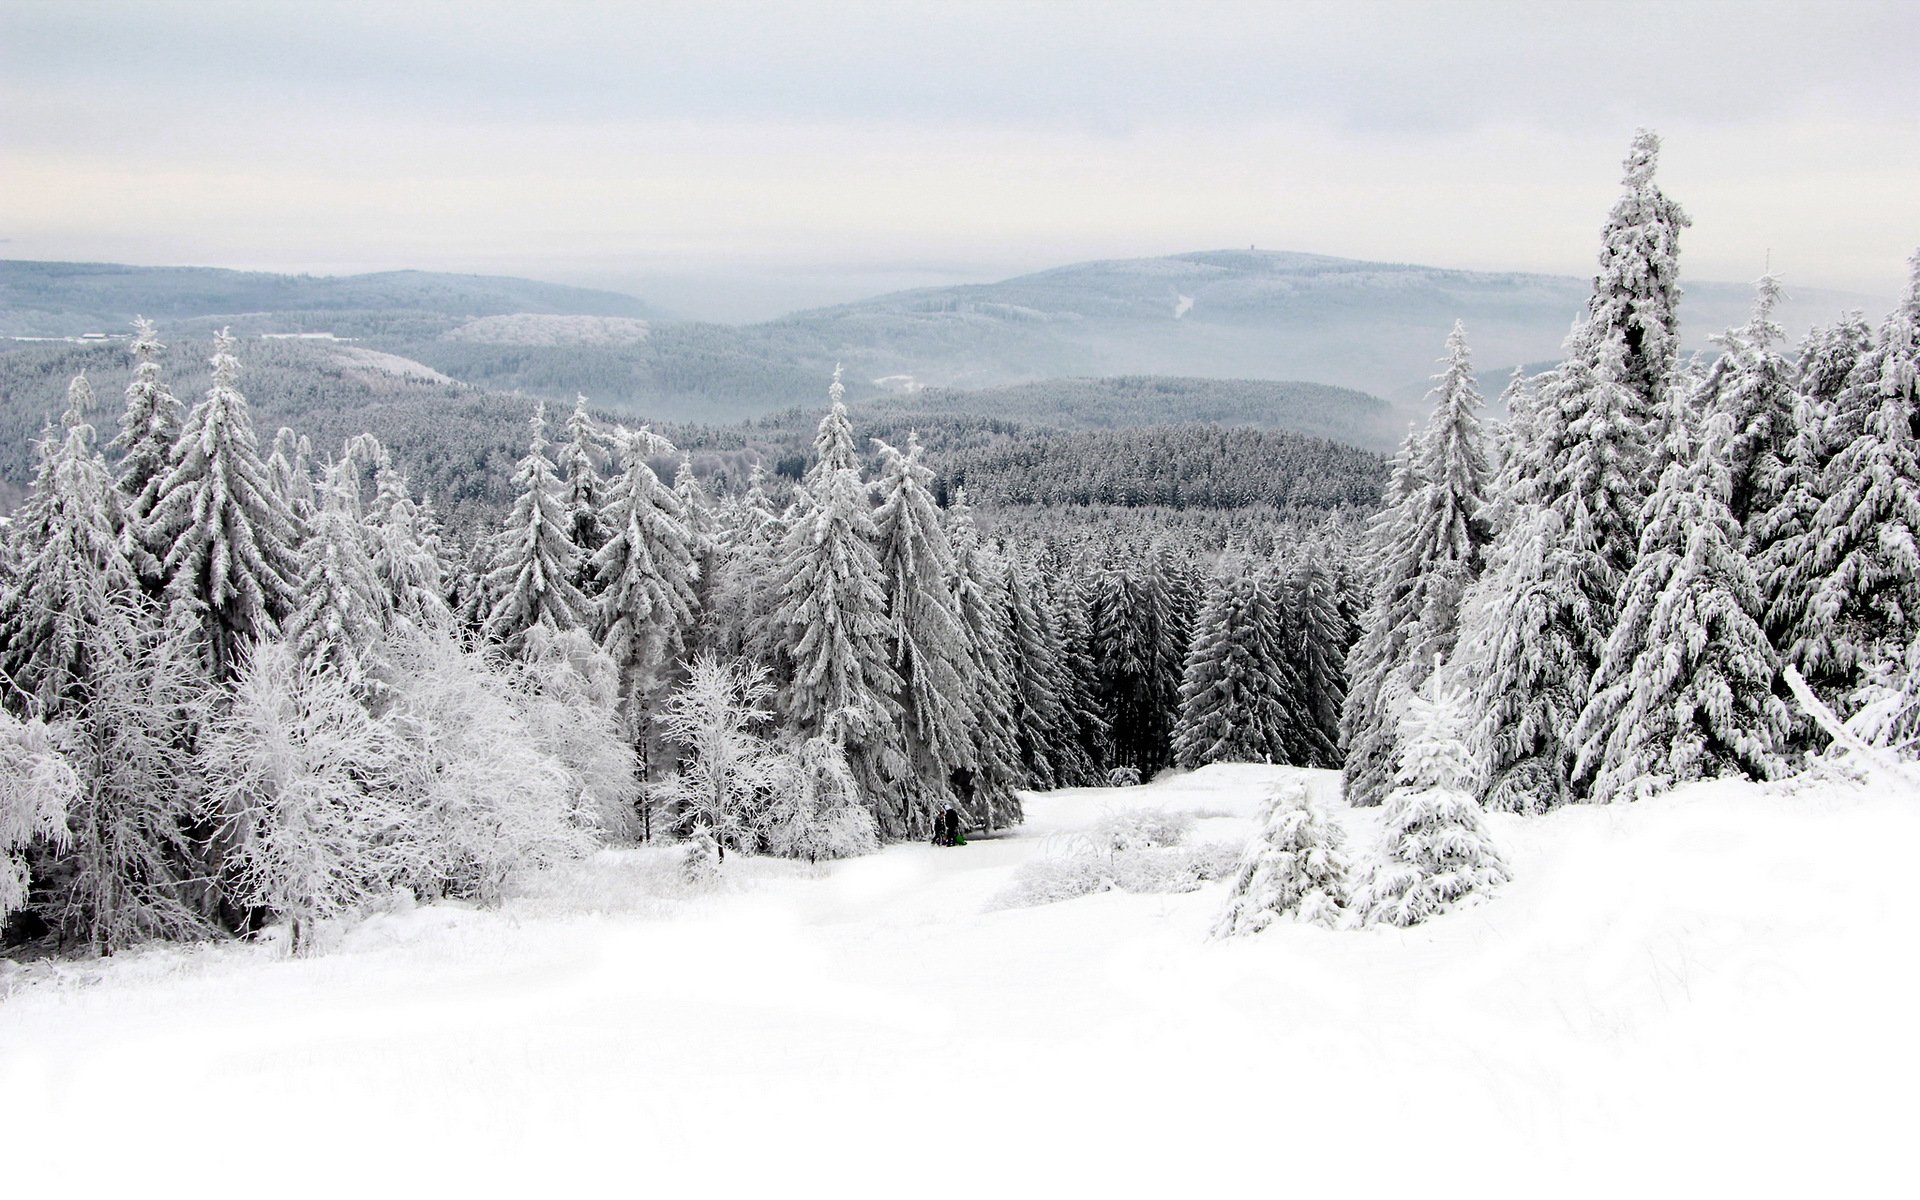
1708, 994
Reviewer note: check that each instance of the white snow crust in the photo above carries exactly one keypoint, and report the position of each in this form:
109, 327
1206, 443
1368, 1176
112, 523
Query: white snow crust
1705, 994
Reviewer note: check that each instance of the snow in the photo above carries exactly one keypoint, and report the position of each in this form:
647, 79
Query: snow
1706, 993
1182, 305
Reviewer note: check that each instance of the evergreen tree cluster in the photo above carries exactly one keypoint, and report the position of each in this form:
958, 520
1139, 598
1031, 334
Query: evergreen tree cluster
1617, 578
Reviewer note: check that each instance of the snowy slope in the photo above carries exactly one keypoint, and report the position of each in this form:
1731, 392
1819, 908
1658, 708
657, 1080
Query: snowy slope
1709, 994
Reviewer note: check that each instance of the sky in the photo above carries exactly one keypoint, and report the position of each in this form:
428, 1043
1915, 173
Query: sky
736, 160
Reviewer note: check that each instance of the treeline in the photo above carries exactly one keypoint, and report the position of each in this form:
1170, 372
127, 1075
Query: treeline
243, 685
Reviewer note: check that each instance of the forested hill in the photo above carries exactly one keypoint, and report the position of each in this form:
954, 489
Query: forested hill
57, 299
1142, 400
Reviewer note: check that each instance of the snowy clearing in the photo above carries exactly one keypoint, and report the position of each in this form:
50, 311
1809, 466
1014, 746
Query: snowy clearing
1706, 993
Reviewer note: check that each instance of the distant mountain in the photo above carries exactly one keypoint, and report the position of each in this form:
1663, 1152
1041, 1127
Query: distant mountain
56, 299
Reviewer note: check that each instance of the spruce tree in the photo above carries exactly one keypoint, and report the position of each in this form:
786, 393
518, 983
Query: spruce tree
1314, 641
1235, 692
1295, 865
229, 562
645, 574
578, 463
832, 616
531, 581
1042, 730
1435, 848
1752, 384
339, 618
927, 640
1684, 690
148, 429
1637, 291
1429, 548
987, 623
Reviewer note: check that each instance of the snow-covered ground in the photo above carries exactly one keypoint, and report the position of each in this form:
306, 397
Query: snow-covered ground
1709, 994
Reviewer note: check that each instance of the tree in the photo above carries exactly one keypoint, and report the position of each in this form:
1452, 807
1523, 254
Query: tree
979, 593
485, 803
302, 771
578, 462
1684, 690
531, 581
1314, 641
73, 565
1430, 548
714, 717
813, 810
645, 574
1752, 384
1295, 865
1637, 291
1239, 691
339, 619
832, 615
37, 786
148, 429
927, 641
568, 693
1043, 735
228, 536
1435, 848
1849, 585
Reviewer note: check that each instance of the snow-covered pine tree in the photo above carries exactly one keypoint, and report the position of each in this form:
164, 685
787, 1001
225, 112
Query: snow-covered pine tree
703, 531
1139, 648
531, 581
745, 568
339, 618
410, 565
148, 428
832, 617
228, 536
1637, 291
1239, 691
1752, 383
1036, 713
37, 787
290, 472
1314, 640
578, 462
1429, 549
984, 607
1685, 688
301, 770
1295, 865
927, 641
646, 572
72, 565
1856, 568
1435, 847
1087, 747
813, 809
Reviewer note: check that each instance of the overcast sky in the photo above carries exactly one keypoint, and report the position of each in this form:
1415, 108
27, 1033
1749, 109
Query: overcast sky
736, 159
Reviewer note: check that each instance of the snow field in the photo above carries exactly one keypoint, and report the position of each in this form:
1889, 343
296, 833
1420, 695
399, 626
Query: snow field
1708, 993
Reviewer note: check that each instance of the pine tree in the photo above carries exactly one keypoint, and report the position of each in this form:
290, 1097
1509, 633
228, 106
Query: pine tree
73, 565
986, 619
1239, 692
1086, 745
1752, 383
1295, 865
228, 563
1314, 641
1429, 548
1637, 292
339, 619
1139, 647
703, 539
645, 573
927, 641
832, 615
1856, 568
579, 461
531, 582
410, 566
1042, 731
148, 429
1435, 848
746, 565
1684, 690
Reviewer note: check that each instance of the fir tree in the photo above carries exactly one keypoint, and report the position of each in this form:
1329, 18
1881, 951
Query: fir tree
1314, 641
339, 618
579, 462
228, 563
927, 641
1036, 711
987, 623
1238, 692
1752, 384
645, 573
1430, 548
1684, 690
1295, 865
1435, 848
531, 582
148, 429
1637, 291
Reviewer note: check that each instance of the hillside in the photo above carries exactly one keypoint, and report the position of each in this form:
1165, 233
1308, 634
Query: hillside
1241, 315
1664, 987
